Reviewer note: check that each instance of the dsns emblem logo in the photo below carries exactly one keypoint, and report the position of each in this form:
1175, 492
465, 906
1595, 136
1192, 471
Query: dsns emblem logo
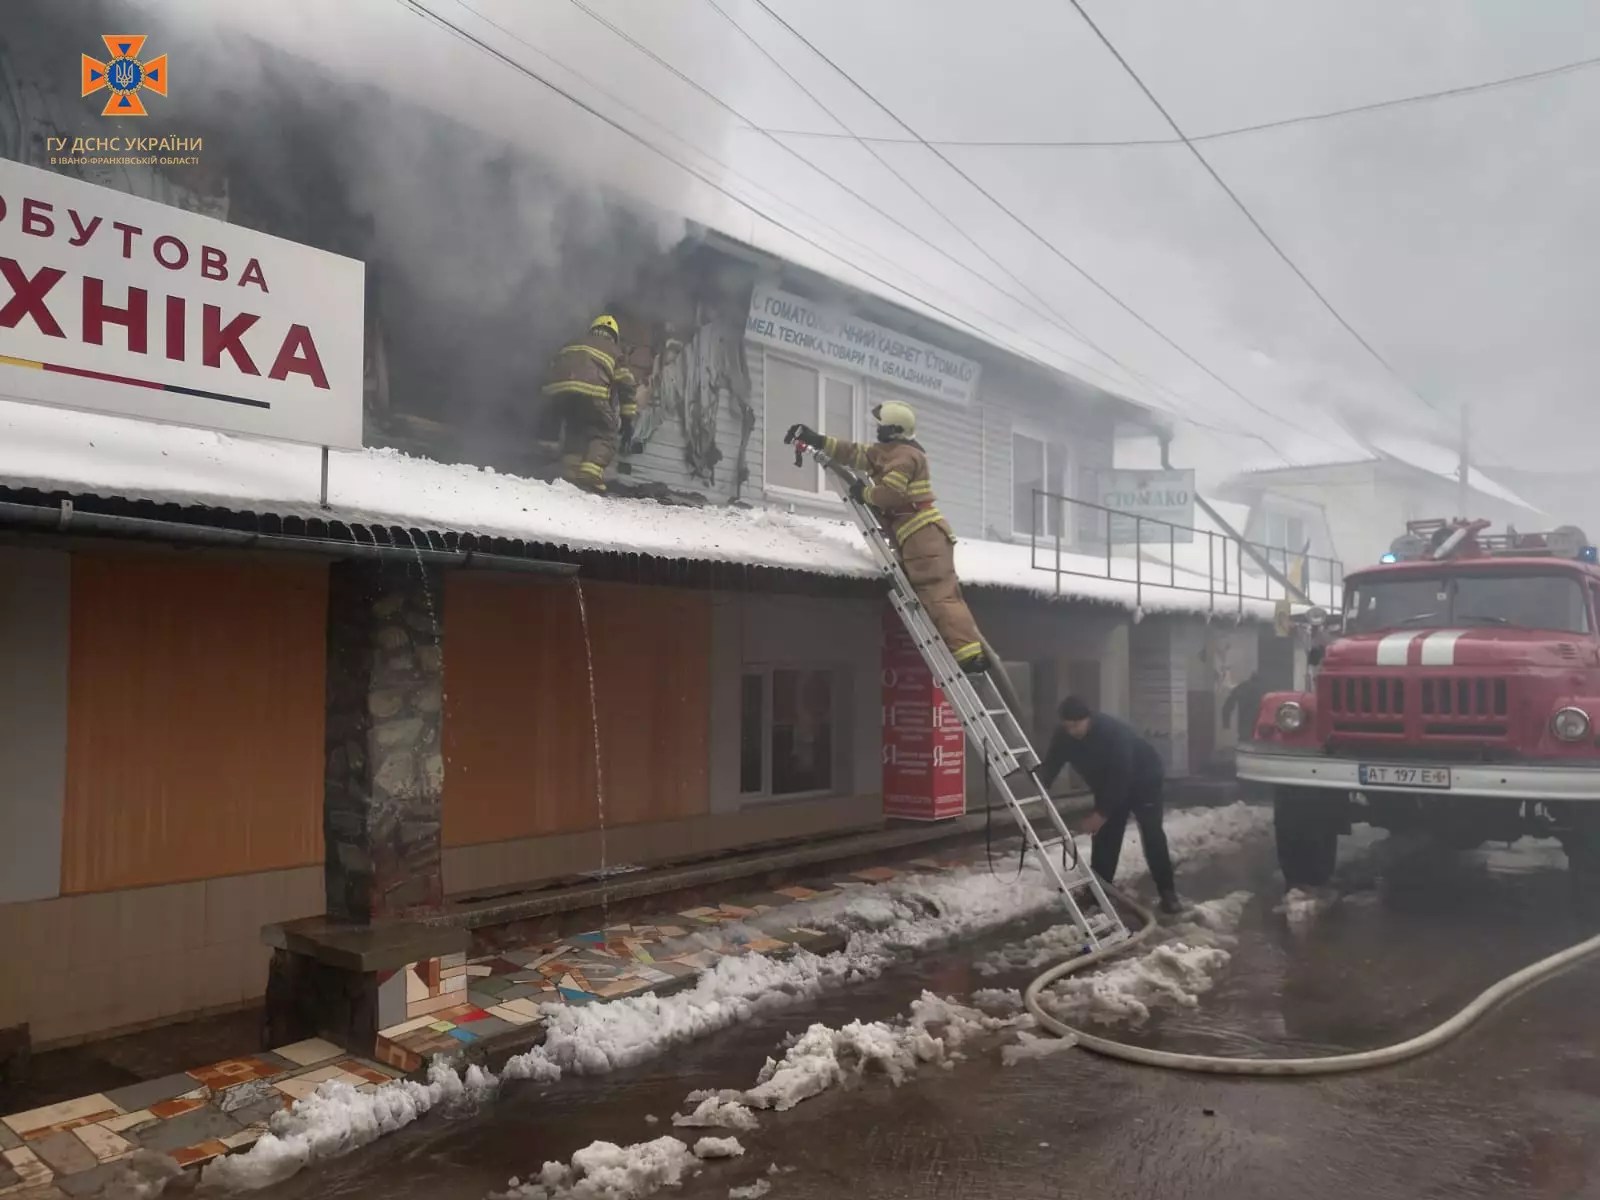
125, 75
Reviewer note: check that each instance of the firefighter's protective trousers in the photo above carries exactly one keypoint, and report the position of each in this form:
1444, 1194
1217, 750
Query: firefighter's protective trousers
902, 492
589, 444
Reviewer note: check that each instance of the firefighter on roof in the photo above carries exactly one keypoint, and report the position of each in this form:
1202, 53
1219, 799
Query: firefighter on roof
591, 390
899, 487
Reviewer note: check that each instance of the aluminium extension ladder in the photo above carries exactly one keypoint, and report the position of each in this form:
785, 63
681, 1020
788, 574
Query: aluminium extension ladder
991, 726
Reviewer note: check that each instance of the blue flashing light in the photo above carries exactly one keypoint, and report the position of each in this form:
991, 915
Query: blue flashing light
1392, 557
1589, 554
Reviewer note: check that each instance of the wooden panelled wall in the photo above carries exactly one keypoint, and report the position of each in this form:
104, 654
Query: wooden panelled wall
194, 719
518, 735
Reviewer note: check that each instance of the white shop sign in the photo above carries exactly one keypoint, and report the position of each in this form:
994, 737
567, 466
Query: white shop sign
1155, 495
833, 337
117, 304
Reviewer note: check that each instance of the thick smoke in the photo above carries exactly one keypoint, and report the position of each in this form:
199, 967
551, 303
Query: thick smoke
484, 254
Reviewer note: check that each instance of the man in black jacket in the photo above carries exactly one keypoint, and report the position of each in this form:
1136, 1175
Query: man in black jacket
1125, 774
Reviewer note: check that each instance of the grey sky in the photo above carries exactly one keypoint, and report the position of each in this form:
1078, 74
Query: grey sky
1456, 236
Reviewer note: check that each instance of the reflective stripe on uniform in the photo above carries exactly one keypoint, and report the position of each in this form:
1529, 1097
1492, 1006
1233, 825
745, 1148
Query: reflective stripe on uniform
590, 468
630, 410
920, 488
623, 376
918, 523
895, 480
830, 447
969, 652
595, 391
608, 361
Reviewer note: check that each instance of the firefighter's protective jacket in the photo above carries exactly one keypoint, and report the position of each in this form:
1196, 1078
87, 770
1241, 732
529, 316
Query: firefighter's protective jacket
587, 367
901, 488
632, 373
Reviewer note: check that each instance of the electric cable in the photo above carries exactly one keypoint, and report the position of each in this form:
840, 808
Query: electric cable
420, 9
1582, 64
866, 145
1333, 1064
1245, 209
1027, 227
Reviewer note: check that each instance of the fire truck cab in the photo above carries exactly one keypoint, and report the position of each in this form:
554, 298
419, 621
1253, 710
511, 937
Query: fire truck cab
1460, 695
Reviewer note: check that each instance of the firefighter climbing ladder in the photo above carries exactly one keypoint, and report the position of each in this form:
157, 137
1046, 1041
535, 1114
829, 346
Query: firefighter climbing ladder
992, 727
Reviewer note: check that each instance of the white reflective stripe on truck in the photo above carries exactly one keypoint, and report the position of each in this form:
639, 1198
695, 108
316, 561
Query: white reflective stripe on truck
1439, 649
1393, 648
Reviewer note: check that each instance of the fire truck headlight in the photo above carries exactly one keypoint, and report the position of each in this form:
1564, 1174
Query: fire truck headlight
1570, 724
1291, 716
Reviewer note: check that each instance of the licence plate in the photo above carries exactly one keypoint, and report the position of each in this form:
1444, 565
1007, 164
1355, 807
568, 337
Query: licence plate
1437, 778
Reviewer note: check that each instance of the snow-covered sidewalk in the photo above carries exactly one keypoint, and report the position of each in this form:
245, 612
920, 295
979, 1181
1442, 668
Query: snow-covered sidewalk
908, 914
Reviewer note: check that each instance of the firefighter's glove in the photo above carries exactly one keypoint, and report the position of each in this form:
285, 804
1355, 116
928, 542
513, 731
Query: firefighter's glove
803, 433
858, 490
625, 435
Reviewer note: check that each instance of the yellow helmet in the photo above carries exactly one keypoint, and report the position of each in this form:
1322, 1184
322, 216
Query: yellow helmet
896, 415
608, 323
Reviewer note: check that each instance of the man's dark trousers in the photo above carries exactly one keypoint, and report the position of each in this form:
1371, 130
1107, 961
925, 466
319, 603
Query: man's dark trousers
1145, 807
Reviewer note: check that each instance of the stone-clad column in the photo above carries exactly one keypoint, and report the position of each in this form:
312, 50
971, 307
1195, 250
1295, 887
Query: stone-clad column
384, 778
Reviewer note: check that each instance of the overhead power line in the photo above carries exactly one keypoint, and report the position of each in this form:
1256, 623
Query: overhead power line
420, 9
1032, 231
1470, 89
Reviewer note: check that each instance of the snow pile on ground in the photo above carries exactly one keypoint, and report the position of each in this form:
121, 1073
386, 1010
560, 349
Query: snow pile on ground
337, 1119
606, 1171
1003, 1001
715, 1147
1174, 974
1301, 907
823, 1057
1031, 1045
716, 1110
909, 915
750, 1191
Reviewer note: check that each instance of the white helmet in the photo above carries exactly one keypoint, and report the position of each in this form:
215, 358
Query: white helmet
897, 416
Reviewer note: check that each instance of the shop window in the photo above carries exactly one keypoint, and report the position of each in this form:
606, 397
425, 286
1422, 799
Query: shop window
786, 732
797, 395
1036, 466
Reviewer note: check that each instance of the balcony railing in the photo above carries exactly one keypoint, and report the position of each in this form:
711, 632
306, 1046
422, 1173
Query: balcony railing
1077, 538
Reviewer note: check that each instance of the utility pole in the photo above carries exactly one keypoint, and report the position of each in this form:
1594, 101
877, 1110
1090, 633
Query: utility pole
1463, 489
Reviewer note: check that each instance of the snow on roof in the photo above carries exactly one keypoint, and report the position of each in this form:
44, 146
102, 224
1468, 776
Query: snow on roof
1437, 460
58, 450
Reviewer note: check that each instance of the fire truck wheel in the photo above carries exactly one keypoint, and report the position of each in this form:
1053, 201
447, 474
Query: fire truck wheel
1580, 838
1306, 822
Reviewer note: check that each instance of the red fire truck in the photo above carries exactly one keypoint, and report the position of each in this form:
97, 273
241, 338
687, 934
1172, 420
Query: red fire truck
1460, 694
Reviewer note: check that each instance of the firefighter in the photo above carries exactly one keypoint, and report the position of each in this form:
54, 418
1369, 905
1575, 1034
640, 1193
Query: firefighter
897, 484
591, 389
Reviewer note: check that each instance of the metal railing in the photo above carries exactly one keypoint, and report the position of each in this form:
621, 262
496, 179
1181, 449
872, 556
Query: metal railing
1076, 537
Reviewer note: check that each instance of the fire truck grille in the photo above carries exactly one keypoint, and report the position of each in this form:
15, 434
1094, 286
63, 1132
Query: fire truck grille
1464, 699
1443, 707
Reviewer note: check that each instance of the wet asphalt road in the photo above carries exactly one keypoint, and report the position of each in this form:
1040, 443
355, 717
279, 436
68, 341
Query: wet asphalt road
1511, 1110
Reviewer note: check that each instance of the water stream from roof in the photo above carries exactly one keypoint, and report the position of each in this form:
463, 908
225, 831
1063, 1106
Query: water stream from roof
599, 770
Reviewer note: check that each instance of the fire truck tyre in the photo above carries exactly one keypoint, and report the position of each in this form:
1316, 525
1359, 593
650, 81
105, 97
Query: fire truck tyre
1306, 822
1580, 838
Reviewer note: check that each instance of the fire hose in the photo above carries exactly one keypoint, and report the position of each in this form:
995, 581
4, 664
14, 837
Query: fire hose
1333, 1064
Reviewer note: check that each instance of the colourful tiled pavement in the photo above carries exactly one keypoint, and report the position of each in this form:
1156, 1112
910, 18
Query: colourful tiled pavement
446, 1004
193, 1117
437, 1005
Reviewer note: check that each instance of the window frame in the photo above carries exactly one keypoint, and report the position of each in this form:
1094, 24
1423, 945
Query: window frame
766, 670
1052, 449
818, 421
